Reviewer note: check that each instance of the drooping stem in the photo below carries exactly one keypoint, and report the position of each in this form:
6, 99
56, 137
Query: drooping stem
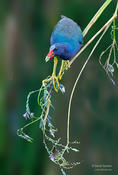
47, 110
104, 28
34, 121
75, 84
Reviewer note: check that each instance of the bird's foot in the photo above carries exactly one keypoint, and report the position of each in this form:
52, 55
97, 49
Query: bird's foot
65, 66
55, 81
60, 75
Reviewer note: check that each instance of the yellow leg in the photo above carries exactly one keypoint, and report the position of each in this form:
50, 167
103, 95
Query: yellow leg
64, 65
61, 72
53, 78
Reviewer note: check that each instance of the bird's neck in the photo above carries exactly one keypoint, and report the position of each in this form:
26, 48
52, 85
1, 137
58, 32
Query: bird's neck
64, 50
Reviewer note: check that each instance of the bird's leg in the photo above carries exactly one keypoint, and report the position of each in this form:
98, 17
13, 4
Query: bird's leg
61, 72
64, 65
53, 78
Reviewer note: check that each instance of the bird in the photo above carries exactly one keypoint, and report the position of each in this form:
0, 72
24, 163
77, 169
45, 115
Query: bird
66, 40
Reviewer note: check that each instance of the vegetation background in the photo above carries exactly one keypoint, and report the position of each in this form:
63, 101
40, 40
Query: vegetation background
25, 29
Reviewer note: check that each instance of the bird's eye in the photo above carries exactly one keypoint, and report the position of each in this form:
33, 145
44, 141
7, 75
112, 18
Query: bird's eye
80, 42
55, 49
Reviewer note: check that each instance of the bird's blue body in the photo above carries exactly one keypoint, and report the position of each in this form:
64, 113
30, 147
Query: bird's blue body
66, 39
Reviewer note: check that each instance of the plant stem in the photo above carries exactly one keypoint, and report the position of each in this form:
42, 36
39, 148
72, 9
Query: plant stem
47, 110
91, 40
95, 18
31, 123
104, 28
75, 84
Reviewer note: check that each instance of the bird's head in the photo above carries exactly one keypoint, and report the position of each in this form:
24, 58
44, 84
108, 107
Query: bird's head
58, 49
51, 53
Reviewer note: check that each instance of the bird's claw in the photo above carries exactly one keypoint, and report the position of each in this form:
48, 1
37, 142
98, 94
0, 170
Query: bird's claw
54, 80
60, 75
65, 66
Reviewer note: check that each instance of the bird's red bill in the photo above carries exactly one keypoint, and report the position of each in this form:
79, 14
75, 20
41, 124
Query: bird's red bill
50, 54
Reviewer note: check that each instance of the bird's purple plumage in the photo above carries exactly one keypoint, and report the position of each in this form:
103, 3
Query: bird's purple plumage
66, 38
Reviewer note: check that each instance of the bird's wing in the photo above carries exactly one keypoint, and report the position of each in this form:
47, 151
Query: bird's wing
66, 30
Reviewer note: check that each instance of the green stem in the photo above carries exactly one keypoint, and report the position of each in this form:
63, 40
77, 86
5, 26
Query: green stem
116, 8
38, 97
114, 35
28, 97
104, 28
75, 84
92, 39
95, 18
31, 123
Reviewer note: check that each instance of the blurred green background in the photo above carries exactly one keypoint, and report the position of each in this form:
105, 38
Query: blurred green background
25, 29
